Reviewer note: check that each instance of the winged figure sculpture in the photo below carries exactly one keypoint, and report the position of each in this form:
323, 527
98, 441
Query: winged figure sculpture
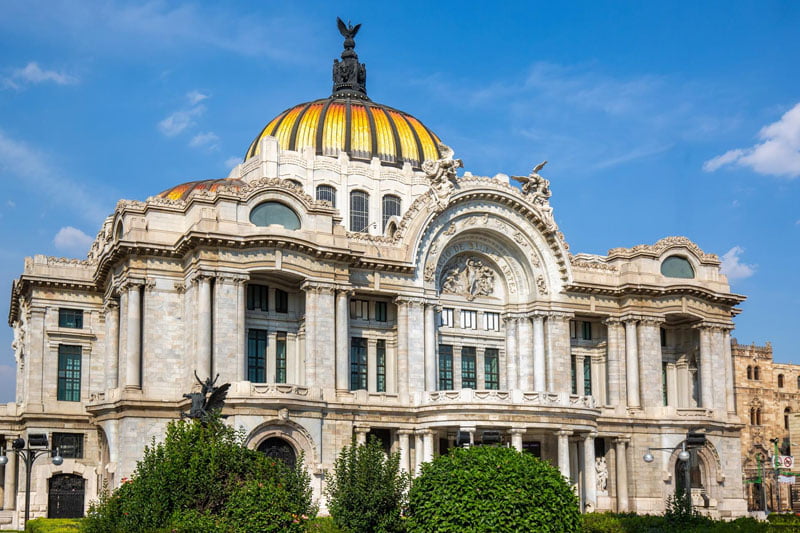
210, 398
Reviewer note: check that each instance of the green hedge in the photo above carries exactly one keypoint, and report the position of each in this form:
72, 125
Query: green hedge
632, 523
53, 525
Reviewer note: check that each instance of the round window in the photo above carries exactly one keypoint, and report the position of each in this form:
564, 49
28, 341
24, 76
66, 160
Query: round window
677, 267
270, 213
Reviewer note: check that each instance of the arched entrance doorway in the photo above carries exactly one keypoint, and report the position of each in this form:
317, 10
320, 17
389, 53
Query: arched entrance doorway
278, 448
65, 496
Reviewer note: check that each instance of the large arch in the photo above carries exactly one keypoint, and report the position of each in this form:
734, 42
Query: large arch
709, 467
291, 432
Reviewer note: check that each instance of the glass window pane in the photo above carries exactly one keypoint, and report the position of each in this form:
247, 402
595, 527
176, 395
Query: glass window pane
256, 355
491, 365
380, 362
70, 318
281, 301
257, 297
358, 363
677, 267
445, 367
391, 207
468, 376
270, 213
69, 445
69, 373
587, 376
359, 211
327, 194
280, 357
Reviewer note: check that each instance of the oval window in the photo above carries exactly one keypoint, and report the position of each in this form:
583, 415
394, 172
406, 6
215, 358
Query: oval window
270, 213
677, 267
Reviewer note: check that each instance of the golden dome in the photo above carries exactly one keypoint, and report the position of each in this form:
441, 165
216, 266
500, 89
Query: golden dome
356, 126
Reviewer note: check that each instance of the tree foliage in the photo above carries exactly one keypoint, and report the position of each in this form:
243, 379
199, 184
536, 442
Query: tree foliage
203, 478
366, 491
491, 489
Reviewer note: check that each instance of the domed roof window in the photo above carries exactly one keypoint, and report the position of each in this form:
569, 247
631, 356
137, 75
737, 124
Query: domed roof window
270, 213
676, 266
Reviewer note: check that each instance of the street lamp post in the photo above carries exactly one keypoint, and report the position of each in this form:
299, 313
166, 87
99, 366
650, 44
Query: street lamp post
28, 456
684, 455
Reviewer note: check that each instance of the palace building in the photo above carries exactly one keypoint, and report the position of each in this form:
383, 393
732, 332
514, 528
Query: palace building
347, 282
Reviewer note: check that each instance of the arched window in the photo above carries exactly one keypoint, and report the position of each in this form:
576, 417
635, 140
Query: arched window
786, 413
359, 211
326, 193
391, 208
269, 213
750, 373
758, 416
278, 448
119, 232
752, 416
780, 381
798, 382
676, 266
756, 373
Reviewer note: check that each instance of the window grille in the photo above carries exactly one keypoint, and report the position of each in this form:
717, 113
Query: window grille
468, 377
69, 373
359, 211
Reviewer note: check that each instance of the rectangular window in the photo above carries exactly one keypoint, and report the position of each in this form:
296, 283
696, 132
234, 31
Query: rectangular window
491, 368
359, 309
256, 297
574, 386
446, 317
70, 318
69, 373
664, 381
469, 319
69, 445
534, 448
587, 376
468, 378
280, 357
358, 363
445, 367
573, 329
586, 330
256, 355
380, 311
491, 321
663, 337
380, 364
281, 301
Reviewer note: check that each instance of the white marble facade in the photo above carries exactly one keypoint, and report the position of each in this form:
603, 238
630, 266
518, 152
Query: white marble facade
467, 313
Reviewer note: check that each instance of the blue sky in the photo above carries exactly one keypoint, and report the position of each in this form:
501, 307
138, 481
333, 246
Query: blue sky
657, 119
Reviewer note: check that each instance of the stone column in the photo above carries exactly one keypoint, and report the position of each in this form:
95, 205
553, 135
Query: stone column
204, 327
418, 452
403, 445
430, 347
516, 438
402, 349
10, 486
112, 344
325, 336
416, 345
558, 352
241, 320
525, 346
730, 400
372, 365
133, 363
684, 385
427, 446
563, 453
622, 475
650, 360
539, 371
632, 363
580, 389
706, 370
672, 385
512, 379
310, 329
616, 383
589, 477
361, 435
342, 341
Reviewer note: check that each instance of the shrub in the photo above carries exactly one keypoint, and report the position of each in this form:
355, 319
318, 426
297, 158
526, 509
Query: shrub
203, 478
53, 525
491, 489
632, 523
366, 491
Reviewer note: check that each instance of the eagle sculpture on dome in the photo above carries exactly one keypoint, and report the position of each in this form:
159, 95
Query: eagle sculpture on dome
533, 183
348, 31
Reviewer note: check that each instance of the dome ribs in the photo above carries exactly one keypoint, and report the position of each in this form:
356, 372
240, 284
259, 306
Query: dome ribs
416, 162
372, 133
321, 125
293, 136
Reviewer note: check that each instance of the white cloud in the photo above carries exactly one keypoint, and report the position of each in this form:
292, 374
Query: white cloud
32, 74
28, 166
777, 155
232, 161
195, 97
178, 121
11, 203
208, 139
733, 268
72, 240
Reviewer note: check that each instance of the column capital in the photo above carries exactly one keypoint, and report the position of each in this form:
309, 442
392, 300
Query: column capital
405, 432
424, 431
517, 431
563, 433
590, 435
612, 321
110, 305
361, 429
513, 317
409, 301
202, 275
713, 326
229, 277
131, 283
557, 315
649, 320
622, 439
318, 286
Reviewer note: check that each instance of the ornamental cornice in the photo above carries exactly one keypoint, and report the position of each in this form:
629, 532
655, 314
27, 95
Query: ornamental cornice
657, 249
410, 301
729, 299
319, 286
591, 262
713, 325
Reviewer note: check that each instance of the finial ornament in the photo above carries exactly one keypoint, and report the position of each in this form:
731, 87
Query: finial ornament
442, 175
537, 190
349, 76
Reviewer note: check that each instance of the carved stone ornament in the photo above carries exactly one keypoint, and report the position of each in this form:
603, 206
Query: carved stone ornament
601, 468
442, 175
533, 183
468, 277
541, 284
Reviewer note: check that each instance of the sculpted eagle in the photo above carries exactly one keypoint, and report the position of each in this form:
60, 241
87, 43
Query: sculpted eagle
348, 31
